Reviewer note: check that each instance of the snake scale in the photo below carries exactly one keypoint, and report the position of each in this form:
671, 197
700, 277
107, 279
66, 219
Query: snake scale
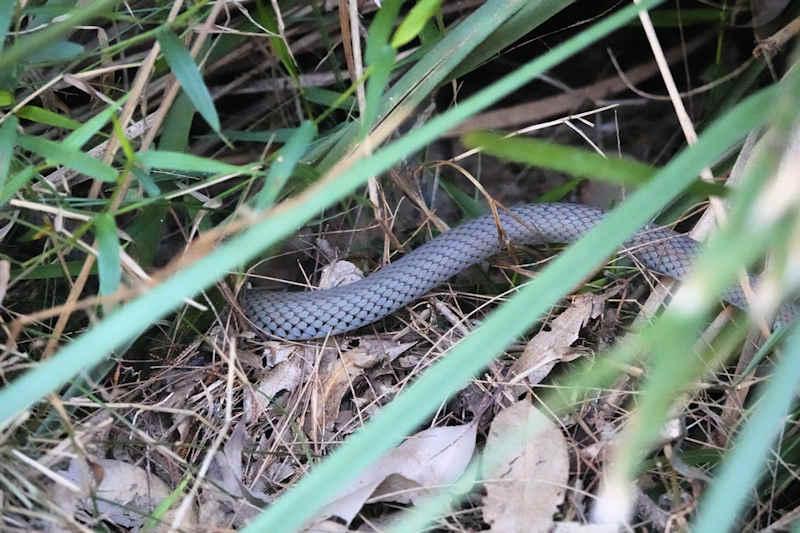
315, 314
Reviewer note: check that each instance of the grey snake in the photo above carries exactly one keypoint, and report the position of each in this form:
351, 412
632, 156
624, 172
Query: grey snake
315, 314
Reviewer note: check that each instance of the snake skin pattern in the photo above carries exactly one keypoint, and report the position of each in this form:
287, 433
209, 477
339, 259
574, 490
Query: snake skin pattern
315, 314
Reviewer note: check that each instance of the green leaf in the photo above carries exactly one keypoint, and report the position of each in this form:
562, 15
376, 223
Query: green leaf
6, 12
148, 184
15, 183
175, 135
6, 98
576, 162
380, 71
415, 21
91, 127
55, 53
8, 138
266, 17
109, 268
468, 205
59, 153
146, 230
47, 117
284, 163
187, 163
188, 75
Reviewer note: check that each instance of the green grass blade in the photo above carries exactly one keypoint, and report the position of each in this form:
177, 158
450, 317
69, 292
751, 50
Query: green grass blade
15, 183
69, 157
108, 263
731, 489
49, 118
266, 17
133, 318
576, 162
6, 12
177, 126
284, 164
188, 75
415, 21
91, 127
8, 138
451, 373
188, 163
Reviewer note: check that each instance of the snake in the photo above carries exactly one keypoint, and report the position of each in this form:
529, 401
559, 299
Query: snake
306, 315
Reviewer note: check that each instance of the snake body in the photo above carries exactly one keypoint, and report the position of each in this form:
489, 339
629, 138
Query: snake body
315, 314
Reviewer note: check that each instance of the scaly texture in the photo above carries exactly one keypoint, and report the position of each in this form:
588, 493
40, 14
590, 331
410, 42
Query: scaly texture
314, 314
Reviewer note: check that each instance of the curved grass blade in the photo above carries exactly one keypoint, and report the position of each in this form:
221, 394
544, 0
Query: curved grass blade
45, 116
188, 163
65, 155
182, 64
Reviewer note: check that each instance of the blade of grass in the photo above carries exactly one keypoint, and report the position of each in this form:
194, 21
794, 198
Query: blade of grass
91, 127
416, 19
15, 183
8, 138
177, 125
188, 163
506, 323
45, 116
188, 75
6, 12
134, 317
69, 157
576, 162
108, 262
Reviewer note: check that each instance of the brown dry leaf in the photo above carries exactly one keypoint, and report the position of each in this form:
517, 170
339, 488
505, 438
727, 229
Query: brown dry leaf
121, 493
338, 371
425, 462
285, 376
528, 488
547, 348
228, 499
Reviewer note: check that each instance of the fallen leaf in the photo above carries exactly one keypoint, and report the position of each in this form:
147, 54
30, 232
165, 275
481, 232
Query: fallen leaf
526, 490
285, 376
121, 493
549, 347
336, 375
422, 464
